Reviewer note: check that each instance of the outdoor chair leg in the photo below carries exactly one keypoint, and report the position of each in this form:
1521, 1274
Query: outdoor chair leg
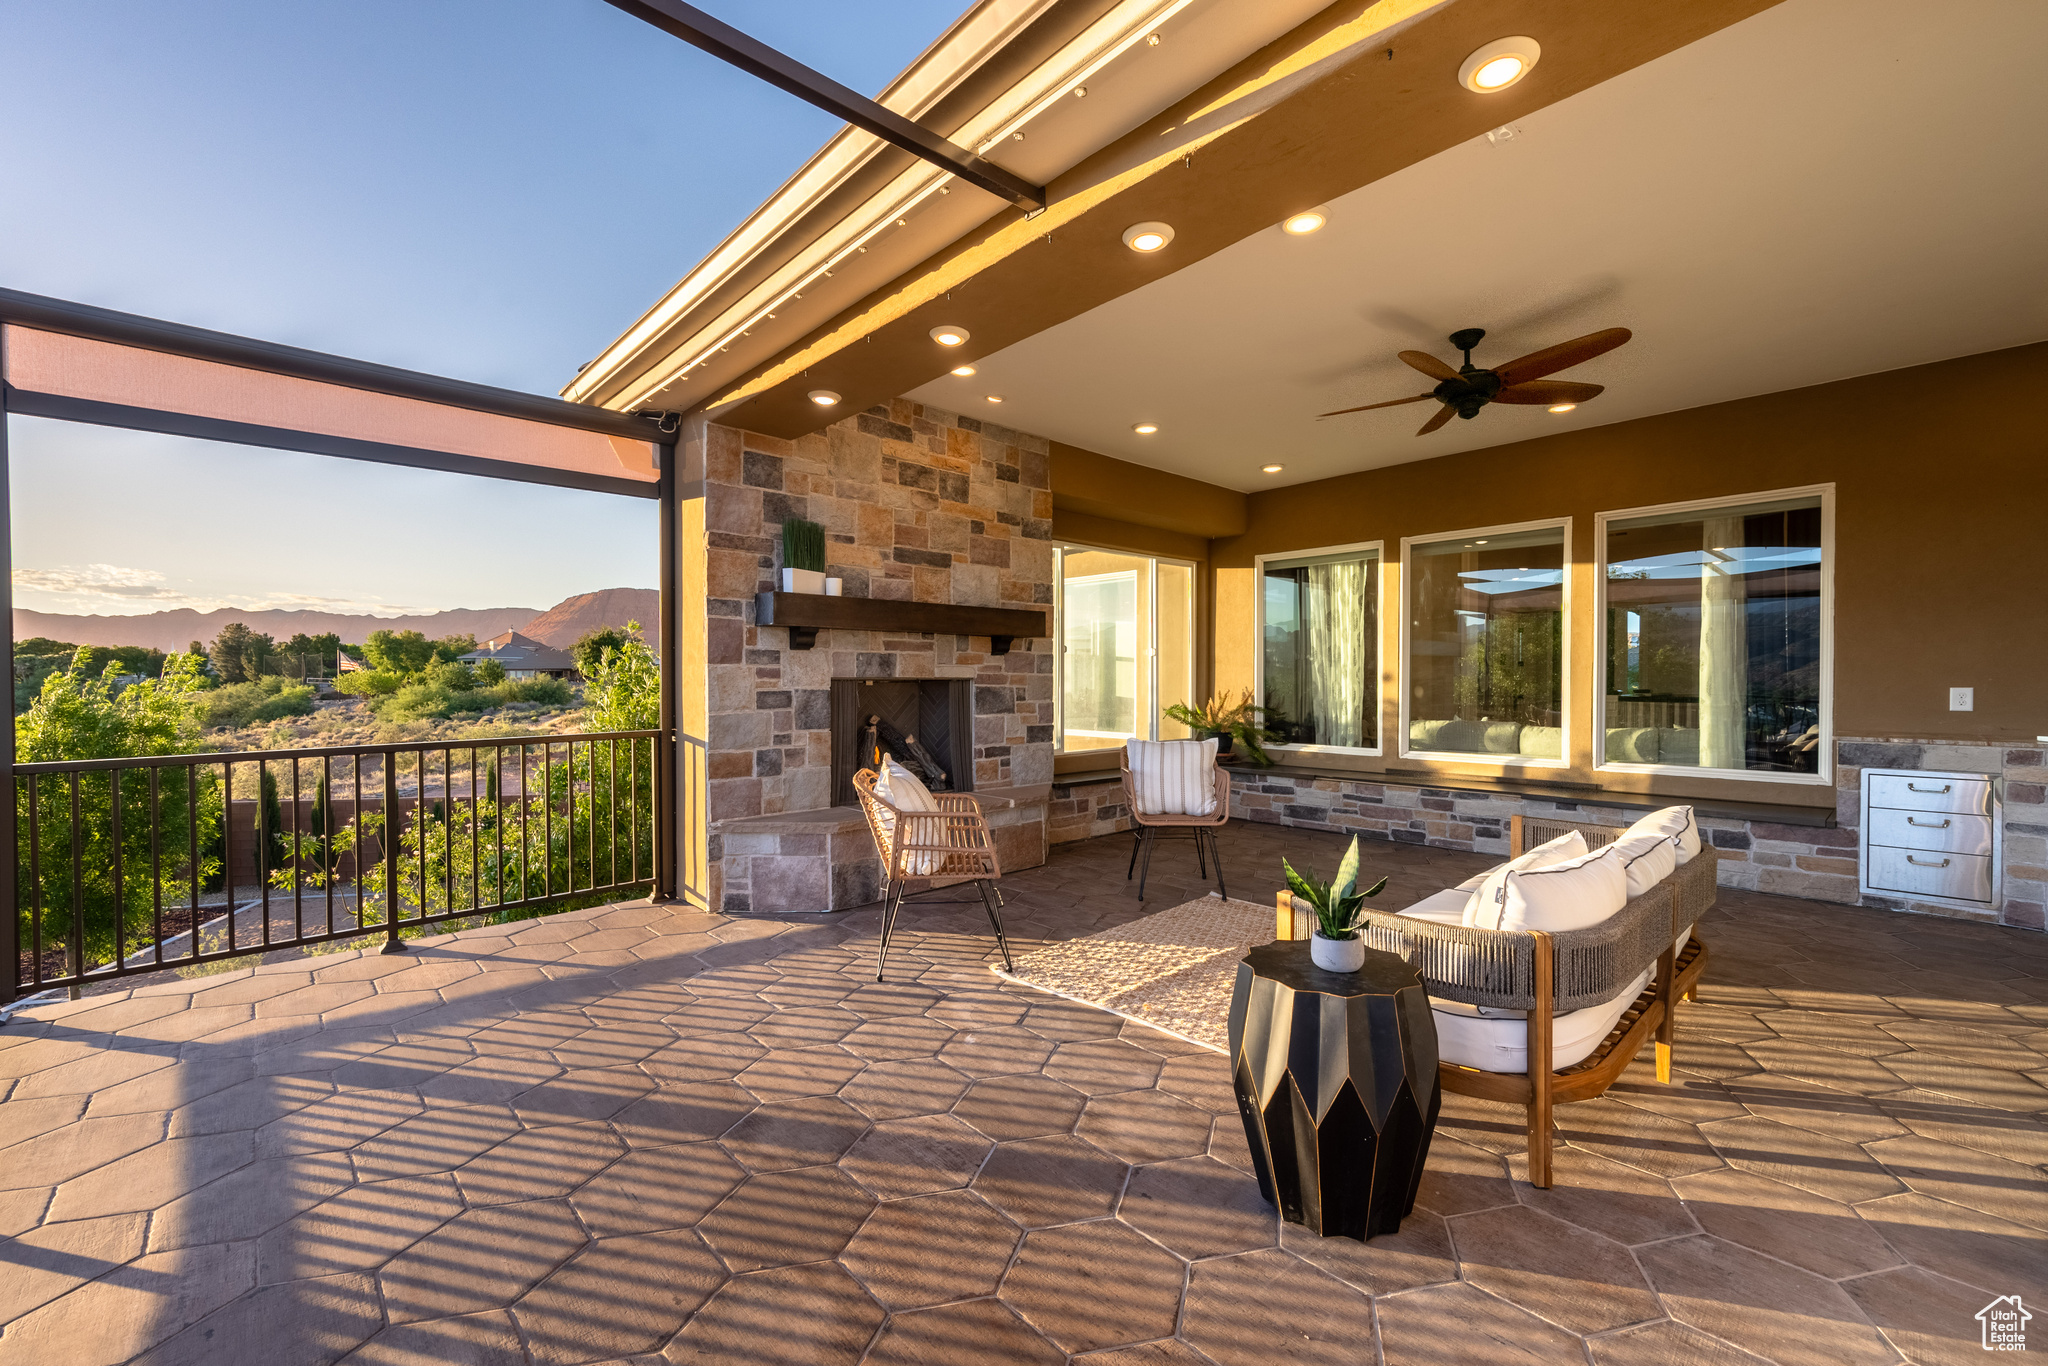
1145, 870
995, 920
1137, 839
1667, 966
1201, 856
892, 902
1216, 857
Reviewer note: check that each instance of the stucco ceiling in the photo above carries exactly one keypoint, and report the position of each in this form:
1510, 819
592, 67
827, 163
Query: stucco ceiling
1831, 188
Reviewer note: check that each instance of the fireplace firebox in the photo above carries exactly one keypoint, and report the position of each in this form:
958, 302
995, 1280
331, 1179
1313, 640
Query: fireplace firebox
927, 724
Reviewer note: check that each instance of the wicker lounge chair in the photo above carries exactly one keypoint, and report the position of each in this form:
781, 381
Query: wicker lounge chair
931, 851
1550, 974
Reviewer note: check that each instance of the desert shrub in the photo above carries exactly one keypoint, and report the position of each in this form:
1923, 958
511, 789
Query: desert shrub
624, 692
369, 683
438, 695
245, 704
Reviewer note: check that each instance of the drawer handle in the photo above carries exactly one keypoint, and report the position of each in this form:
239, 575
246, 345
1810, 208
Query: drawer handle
1915, 787
1918, 864
1928, 825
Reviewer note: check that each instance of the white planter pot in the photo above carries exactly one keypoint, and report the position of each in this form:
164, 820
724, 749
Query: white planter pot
802, 581
1336, 955
835, 587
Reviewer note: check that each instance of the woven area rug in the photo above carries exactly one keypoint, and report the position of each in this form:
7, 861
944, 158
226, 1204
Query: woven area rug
1172, 970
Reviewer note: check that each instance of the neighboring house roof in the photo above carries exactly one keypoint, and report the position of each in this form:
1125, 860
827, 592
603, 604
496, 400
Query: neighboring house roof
522, 653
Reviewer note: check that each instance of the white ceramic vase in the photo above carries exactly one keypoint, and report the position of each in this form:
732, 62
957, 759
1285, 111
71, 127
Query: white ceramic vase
835, 588
802, 581
1337, 955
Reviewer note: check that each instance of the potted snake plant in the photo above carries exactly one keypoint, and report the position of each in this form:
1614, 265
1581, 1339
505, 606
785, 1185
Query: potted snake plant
1339, 907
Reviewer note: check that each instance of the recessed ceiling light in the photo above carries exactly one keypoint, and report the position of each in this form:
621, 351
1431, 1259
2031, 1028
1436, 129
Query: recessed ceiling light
1480, 541
995, 398
1499, 64
1144, 428
824, 398
1562, 407
963, 370
1147, 237
1272, 469
1306, 222
946, 334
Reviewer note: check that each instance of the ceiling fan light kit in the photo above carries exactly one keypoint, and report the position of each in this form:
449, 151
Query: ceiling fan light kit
1464, 391
1499, 64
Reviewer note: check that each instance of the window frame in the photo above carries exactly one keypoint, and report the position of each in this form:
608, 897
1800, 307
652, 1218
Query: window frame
1406, 673
1150, 676
1378, 549
1825, 776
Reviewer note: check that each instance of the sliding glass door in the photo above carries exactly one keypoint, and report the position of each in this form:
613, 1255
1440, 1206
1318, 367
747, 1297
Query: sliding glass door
1126, 634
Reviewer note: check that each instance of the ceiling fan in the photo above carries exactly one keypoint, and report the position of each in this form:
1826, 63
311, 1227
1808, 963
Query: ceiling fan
1467, 389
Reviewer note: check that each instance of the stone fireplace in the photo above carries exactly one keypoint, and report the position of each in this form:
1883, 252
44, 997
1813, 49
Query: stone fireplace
934, 715
922, 508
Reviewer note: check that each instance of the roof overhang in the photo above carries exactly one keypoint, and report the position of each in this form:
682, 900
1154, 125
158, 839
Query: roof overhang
837, 281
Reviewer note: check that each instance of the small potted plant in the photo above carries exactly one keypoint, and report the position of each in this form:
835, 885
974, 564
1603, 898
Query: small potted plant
1339, 906
803, 556
1230, 722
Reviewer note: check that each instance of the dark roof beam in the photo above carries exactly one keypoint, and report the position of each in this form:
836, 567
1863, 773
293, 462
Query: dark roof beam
728, 44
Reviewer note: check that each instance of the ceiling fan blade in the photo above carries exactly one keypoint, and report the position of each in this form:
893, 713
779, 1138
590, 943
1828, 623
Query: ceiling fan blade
1390, 403
1548, 391
1443, 415
1428, 365
1562, 356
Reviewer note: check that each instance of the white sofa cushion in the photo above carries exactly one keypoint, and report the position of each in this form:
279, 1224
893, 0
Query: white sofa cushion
1173, 777
1444, 908
1677, 822
1486, 891
1498, 1041
1648, 859
899, 787
1560, 896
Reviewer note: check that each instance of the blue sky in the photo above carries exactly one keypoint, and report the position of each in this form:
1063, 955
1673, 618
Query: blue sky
485, 190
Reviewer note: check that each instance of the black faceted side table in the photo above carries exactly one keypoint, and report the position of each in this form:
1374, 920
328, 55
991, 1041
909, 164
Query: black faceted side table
1336, 1078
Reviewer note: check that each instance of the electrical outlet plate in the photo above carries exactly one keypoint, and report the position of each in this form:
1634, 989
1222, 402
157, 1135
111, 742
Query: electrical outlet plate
1962, 699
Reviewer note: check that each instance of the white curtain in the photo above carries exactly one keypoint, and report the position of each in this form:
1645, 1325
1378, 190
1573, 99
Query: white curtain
1334, 619
1724, 648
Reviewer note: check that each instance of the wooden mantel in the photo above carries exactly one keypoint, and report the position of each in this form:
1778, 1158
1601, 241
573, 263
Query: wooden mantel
805, 614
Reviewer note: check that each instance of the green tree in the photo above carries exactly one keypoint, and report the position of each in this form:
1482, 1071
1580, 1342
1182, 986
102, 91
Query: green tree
275, 850
448, 649
69, 878
398, 652
591, 645
623, 691
489, 673
307, 656
241, 655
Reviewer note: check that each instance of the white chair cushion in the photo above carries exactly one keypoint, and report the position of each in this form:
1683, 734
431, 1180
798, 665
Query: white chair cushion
1482, 905
1677, 822
1173, 777
1498, 1041
1561, 896
1648, 859
899, 787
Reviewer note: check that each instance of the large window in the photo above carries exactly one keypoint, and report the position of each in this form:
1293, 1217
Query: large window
1486, 644
1126, 647
1714, 637
1319, 656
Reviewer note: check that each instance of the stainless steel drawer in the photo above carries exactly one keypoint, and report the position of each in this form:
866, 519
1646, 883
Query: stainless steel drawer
1962, 877
1921, 792
1946, 832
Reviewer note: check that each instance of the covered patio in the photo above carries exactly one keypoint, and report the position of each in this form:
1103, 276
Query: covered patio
655, 1133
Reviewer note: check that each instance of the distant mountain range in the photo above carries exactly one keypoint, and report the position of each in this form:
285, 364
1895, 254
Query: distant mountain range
559, 625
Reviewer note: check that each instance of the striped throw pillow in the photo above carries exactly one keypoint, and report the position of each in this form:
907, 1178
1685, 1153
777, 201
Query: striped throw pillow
1174, 777
899, 787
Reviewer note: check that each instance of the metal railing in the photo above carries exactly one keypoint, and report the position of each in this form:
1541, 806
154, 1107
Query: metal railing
134, 865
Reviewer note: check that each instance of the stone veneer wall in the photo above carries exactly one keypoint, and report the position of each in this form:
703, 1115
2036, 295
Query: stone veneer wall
1795, 860
917, 504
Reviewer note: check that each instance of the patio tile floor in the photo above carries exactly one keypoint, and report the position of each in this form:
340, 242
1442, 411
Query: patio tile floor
651, 1134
